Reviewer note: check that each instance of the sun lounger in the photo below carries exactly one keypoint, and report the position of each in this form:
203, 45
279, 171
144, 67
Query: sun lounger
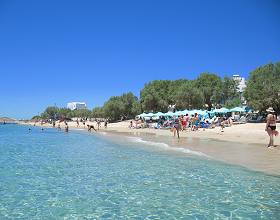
259, 119
242, 120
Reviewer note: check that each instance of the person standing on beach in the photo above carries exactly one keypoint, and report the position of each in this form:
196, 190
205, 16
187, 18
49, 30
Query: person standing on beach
176, 127
77, 121
270, 127
98, 124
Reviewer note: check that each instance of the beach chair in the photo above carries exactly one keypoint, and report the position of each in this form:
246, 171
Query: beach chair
242, 120
259, 119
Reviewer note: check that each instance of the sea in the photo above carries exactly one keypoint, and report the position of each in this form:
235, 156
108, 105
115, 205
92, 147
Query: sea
50, 174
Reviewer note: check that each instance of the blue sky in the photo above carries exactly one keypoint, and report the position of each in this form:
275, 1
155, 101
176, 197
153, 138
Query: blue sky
53, 52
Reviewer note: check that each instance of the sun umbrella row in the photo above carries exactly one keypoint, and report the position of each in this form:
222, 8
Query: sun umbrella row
192, 112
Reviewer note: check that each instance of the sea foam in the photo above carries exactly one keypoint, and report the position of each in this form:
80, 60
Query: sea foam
167, 147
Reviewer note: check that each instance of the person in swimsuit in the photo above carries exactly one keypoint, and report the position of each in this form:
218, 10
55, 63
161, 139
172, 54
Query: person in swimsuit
271, 126
176, 127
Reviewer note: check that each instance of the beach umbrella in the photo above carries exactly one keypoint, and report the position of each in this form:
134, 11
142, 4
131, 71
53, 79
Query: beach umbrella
158, 114
145, 115
221, 110
201, 112
179, 113
186, 111
168, 114
237, 109
142, 114
150, 114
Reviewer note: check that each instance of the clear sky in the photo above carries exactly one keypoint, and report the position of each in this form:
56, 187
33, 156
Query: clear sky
53, 52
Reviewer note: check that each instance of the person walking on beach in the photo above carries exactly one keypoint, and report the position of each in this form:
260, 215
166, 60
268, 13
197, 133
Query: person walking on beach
66, 126
270, 127
91, 127
176, 127
98, 124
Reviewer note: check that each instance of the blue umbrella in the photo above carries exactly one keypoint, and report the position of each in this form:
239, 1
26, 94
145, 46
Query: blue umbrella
237, 109
221, 110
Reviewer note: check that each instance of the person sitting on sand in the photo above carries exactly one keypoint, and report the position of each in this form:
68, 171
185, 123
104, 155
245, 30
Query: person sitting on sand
270, 127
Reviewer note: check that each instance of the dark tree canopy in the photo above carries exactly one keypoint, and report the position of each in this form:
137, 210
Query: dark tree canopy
263, 87
211, 87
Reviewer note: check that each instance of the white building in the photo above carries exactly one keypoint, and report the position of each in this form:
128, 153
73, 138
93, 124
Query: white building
241, 83
76, 105
240, 87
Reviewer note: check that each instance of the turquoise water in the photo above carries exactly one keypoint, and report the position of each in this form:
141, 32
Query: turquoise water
52, 175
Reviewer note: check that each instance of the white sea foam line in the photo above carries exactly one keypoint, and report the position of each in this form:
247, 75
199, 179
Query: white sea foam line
167, 147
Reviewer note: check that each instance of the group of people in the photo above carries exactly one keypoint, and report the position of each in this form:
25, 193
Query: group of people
184, 122
90, 127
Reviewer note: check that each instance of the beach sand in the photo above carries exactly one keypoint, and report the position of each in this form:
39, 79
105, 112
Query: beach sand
243, 144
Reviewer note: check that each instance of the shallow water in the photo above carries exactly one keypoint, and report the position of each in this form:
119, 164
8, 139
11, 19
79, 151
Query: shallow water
53, 175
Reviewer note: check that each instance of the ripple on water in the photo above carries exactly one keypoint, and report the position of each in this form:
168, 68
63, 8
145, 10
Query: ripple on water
73, 176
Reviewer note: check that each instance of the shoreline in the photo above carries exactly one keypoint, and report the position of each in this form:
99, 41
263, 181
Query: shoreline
241, 145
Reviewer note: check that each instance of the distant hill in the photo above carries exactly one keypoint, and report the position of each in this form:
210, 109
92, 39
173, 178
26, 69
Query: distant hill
6, 119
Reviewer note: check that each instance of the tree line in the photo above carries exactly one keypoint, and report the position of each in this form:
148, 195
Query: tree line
208, 90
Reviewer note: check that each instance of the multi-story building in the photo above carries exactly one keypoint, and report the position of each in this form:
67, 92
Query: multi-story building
76, 105
241, 86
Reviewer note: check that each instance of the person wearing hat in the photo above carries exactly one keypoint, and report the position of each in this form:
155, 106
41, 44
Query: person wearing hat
271, 125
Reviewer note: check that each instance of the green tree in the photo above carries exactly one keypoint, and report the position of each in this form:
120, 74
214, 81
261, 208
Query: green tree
231, 103
120, 107
113, 108
211, 87
188, 96
65, 113
263, 87
81, 113
157, 95
51, 112
98, 112
229, 91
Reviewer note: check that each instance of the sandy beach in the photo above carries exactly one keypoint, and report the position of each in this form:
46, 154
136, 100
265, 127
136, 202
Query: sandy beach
243, 144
